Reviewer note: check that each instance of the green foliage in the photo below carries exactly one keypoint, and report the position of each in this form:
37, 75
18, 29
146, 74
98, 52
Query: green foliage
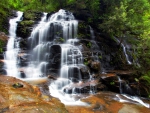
80, 35
124, 17
146, 78
86, 61
1, 46
112, 83
61, 39
17, 85
4, 12
93, 6
27, 23
89, 44
100, 56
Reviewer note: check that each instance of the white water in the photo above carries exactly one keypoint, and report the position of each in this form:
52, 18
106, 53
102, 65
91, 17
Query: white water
67, 99
38, 60
71, 58
12, 47
132, 99
124, 50
120, 85
92, 33
43, 36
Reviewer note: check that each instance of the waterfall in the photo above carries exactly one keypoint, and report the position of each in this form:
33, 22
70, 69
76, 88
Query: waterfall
92, 33
39, 47
12, 47
131, 99
53, 46
124, 50
71, 58
120, 84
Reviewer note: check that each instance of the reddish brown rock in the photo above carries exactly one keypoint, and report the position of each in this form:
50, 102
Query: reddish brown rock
104, 103
17, 96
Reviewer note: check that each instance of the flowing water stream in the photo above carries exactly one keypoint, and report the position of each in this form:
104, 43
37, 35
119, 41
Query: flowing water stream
12, 47
124, 50
58, 31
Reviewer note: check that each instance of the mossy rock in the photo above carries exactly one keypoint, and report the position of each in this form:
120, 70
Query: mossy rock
32, 15
83, 30
24, 28
27, 23
30, 18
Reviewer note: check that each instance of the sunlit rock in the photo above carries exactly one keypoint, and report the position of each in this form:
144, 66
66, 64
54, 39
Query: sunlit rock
26, 98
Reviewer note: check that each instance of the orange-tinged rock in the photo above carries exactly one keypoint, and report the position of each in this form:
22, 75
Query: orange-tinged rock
17, 96
104, 103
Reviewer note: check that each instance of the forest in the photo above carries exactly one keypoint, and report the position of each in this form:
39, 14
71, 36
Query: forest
126, 19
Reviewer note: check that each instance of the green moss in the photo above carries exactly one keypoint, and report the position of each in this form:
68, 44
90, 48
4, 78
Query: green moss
146, 78
17, 85
27, 23
61, 39
89, 44
2, 43
80, 35
86, 61
4, 13
29, 15
112, 83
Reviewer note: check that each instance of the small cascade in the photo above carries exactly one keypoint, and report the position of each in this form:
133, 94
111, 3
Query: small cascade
124, 50
39, 50
120, 84
12, 47
92, 33
132, 99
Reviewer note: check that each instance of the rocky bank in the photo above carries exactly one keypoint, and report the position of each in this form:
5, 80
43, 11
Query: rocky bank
17, 96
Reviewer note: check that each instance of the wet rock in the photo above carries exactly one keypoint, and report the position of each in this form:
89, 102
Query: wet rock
55, 57
84, 31
85, 72
126, 108
82, 87
83, 14
124, 82
18, 96
22, 74
54, 72
23, 43
24, 58
126, 74
30, 18
104, 102
112, 82
95, 66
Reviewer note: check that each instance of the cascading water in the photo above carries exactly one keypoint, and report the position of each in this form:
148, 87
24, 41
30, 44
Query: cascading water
120, 84
12, 47
54, 46
71, 59
39, 50
124, 50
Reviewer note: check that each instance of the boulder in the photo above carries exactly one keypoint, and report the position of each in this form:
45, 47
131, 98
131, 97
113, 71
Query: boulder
18, 96
30, 18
